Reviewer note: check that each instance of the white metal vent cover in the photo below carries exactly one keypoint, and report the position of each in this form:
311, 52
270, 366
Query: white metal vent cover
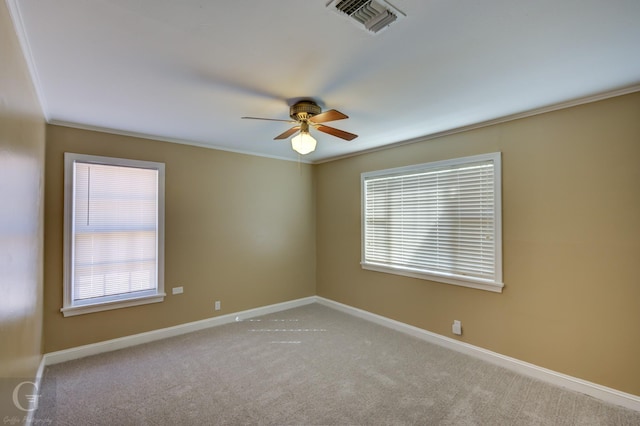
373, 15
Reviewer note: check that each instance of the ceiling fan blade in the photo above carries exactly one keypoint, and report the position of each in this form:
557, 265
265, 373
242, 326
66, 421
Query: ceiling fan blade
267, 119
330, 115
288, 133
337, 132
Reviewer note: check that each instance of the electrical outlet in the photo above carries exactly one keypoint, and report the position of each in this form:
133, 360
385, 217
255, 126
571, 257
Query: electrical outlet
456, 328
217, 305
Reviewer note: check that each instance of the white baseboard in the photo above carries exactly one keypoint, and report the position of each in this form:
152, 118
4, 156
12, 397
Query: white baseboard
559, 379
33, 403
150, 336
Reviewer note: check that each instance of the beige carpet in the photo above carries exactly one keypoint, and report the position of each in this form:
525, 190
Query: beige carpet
306, 366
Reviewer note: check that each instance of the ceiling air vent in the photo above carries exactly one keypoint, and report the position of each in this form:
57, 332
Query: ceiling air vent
375, 16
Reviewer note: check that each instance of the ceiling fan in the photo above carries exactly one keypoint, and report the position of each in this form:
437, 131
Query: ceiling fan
307, 113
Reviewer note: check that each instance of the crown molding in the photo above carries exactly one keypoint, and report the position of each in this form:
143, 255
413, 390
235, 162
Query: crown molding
23, 40
170, 140
507, 118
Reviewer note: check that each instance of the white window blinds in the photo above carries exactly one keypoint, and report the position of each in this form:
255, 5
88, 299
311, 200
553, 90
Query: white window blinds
114, 232
440, 219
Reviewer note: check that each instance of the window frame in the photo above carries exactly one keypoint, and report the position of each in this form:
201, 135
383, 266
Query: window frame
495, 284
156, 295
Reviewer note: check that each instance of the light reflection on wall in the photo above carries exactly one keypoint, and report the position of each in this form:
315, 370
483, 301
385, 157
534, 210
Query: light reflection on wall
19, 235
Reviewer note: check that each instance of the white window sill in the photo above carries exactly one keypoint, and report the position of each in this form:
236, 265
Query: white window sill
476, 283
69, 311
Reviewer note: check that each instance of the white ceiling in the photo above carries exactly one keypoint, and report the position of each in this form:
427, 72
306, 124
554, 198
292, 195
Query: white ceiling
187, 70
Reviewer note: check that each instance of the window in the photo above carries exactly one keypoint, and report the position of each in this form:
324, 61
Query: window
114, 230
439, 221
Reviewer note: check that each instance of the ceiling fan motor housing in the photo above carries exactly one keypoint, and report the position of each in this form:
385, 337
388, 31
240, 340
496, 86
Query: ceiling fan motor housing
304, 110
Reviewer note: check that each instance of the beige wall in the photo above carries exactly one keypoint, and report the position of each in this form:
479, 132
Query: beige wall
238, 228
21, 193
571, 240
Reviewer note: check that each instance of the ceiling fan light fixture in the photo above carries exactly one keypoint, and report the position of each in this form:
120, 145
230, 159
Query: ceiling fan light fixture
305, 114
303, 143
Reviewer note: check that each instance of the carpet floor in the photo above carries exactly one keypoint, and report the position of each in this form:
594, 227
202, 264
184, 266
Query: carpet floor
310, 365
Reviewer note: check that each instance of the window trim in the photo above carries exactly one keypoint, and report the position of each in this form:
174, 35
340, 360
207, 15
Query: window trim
495, 285
106, 303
